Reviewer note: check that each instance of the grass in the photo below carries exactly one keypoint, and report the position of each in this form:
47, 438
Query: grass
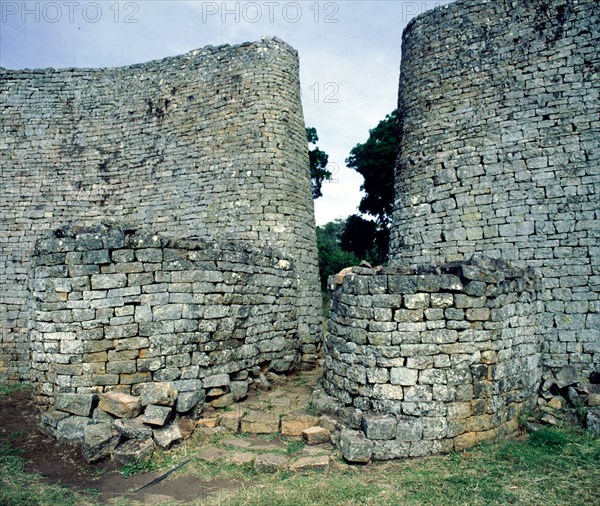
6, 389
553, 467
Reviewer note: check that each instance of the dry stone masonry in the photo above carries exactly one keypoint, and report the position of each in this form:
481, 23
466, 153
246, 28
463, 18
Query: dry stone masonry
430, 360
210, 144
501, 153
495, 255
114, 310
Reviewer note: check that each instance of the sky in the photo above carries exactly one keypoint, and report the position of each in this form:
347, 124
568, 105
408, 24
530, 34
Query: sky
349, 55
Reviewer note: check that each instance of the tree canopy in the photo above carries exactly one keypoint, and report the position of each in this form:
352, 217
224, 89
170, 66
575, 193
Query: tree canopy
318, 163
375, 160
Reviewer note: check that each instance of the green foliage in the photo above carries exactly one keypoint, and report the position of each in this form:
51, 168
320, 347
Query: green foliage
332, 258
547, 438
366, 239
375, 161
136, 467
294, 446
9, 388
318, 163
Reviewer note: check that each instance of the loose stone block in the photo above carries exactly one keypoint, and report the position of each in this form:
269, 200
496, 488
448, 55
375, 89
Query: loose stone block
293, 425
166, 436
78, 404
163, 394
355, 447
157, 415
316, 435
120, 404
379, 426
259, 423
133, 451
99, 440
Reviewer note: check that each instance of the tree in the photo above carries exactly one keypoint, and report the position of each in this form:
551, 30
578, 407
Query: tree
332, 258
318, 163
365, 239
375, 161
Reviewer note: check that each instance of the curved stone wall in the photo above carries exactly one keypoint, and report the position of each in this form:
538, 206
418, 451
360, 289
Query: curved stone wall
423, 361
211, 143
112, 310
499, 153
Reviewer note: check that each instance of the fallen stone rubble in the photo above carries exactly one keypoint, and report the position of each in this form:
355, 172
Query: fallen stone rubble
565, 397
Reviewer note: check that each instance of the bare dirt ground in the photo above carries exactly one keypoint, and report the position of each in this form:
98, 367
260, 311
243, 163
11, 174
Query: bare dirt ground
63, 464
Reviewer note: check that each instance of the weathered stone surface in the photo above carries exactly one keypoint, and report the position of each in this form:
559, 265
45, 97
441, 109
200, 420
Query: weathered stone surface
99, 440
294, 424
77, 404
355, 447
223, 401
71, 428
217, 380
162, 394
186, 401
157, 415
120, 404
389, 450
567, 376
241, 458
186, 426
208, 421
231, 420
166, 436
379, 426
316, 435
593, 400
212, 454
256, 422
134, 450
592, 420
270, 463
133, 428
310, 463
239, 390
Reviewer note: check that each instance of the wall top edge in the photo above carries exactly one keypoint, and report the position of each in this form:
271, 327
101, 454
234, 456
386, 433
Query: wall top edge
266, 43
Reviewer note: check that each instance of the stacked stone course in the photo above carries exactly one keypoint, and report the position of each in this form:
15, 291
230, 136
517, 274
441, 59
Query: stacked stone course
113, 310
500, 153
498, 159
210, 143
431, 360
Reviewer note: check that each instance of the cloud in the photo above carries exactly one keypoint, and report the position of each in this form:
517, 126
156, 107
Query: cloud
349, 55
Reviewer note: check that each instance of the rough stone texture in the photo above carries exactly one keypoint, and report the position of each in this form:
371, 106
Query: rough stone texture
256, 422
316, 435
166, 436
592, 420
188, 316
294, 424
355, 446
77, 404
99, 440
134, 428
133, 451
211, 142
499, 135
186, 401
162, 394
120, 404
310, 463
157, 415
270, 463
425, 375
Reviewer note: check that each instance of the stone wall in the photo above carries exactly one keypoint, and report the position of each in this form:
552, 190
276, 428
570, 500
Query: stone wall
112, 310
211, 143
423, 361
500, 154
